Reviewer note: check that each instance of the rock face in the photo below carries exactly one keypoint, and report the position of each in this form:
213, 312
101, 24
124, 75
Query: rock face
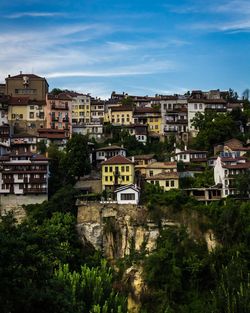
116, 229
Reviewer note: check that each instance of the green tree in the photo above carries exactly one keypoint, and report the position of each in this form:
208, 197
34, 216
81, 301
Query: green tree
77, 160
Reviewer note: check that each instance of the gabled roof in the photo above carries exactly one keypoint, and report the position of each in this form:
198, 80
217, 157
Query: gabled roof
162, 165
60, 96
144, 156
117, 159
131, 186
28, 75
190, 151
108, 148
163, 176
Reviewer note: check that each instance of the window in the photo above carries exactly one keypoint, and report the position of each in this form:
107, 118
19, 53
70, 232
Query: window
122, 169
110, 168
151, 173
195, 106
127, 168
106, 169
20, 176
111, 178
167, 183
21, 115
31, 107
106, 178
13, 116
31, 114
172, 183
127, 178
127, 196
200, 106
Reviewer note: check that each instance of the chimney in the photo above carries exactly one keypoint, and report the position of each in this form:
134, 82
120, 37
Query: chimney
133, 159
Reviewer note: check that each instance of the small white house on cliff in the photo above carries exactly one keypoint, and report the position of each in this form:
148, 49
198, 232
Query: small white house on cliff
129, 194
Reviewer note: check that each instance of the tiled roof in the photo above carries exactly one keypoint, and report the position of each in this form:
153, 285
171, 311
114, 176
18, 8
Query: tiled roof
190, 152
22, 75
245, 165
60, 96
117, 159
144, 157
163, 175
107, 148
121, 108
162, 165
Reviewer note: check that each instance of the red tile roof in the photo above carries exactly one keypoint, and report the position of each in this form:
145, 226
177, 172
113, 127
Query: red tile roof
237, 166
117, 159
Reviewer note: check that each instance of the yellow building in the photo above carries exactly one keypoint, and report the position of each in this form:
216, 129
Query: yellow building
122, 115
142, 161
25, 115
165, 180
80, 108
163, 174
117, 171
149, 116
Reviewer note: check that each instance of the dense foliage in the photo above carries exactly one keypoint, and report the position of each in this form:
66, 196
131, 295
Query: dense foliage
45, 268
182, 275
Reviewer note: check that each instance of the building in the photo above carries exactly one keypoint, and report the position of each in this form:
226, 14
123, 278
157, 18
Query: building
150, 117
107, 152
23, 143
97, 109
129, 194
58, 112
92, 129
226, 170
26, 115
27, 85
24, 174
191, 156
121, 115
117, 171
4, 139
142, 161
80, 108
165, 180
139, 131
52, 136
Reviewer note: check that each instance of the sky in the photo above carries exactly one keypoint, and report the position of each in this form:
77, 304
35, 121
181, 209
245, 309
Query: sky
140, 47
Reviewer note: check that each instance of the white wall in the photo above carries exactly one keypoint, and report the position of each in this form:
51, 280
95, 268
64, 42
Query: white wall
128, 191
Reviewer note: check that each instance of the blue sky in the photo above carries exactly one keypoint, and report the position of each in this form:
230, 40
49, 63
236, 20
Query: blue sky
140, 47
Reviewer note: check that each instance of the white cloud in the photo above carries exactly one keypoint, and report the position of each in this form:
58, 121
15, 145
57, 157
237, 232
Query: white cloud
34, 14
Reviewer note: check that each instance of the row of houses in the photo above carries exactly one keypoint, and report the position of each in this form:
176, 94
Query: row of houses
27, 106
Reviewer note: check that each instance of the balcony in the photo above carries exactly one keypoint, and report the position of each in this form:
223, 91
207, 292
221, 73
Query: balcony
37, 180
8, 180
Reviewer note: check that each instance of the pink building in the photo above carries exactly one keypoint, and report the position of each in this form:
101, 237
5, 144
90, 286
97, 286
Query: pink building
58, 112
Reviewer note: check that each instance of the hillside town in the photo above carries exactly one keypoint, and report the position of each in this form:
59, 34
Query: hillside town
32, 116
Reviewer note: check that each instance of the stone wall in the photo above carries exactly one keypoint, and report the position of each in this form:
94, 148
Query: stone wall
15, 204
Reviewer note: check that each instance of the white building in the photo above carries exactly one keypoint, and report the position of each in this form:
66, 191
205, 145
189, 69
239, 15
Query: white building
225, 171
129, 194
105, 153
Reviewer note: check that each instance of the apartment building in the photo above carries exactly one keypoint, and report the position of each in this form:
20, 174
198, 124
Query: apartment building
58, 112
149, 116
24, 174
80, 105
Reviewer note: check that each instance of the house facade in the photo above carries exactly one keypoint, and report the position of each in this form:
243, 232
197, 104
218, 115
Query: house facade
117, 171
